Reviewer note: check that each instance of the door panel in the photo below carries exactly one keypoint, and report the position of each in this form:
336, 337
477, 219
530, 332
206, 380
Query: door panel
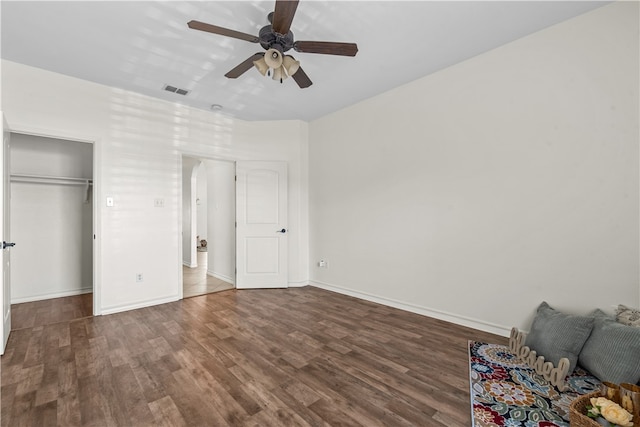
262, 255
5, 277
262, 197
261, 216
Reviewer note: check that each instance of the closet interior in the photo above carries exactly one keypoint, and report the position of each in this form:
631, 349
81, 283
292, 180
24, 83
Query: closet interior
51, 218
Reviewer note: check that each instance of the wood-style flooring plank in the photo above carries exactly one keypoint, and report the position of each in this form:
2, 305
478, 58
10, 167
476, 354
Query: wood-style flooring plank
279, 357
166, 413
49, 311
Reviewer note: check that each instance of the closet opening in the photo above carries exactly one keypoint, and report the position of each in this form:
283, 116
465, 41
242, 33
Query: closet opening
51, 222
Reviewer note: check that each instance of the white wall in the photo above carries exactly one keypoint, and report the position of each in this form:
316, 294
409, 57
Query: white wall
221, 249
470, 194
475, 193
51, 223
139, 142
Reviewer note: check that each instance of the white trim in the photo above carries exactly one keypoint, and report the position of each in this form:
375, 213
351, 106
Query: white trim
209, 156
299, 284
50, 133
30, 129
193, 209
51, 295
142, 304
97, 227
425, 311
180, 288
199, 156
221, 277
192, 265
5, 286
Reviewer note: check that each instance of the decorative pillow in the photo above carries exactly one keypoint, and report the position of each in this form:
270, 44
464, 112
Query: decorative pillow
555, 335
628, 316
612, 352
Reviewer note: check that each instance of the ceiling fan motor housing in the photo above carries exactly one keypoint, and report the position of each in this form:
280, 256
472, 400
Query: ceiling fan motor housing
269, 39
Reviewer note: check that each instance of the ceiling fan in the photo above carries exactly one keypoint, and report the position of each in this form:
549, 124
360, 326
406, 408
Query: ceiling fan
277, 39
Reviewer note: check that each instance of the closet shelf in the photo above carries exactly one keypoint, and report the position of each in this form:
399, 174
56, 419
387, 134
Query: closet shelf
44, 179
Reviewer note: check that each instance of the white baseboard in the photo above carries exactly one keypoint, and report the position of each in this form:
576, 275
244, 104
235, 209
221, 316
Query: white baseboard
52, 295
221, 277
300, 284
141, 304
192, 265
425, 311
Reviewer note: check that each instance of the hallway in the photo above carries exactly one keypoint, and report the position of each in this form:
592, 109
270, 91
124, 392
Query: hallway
197, 282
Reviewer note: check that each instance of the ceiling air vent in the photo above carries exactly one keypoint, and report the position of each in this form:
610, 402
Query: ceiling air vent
176, 90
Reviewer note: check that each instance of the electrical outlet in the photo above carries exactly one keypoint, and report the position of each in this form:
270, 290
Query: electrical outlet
138, 277
158, 203
322, 263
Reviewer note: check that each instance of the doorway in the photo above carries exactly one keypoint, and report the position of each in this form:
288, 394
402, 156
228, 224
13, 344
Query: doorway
247, 230
52, 222
208, 225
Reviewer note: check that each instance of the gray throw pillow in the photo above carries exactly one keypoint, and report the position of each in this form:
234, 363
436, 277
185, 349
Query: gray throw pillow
555, 335
628, 316
612, 352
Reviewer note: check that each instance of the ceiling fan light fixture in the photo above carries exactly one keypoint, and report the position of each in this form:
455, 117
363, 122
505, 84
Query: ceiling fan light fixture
277, 38
273, 58
290, 64
261, 66
279, 74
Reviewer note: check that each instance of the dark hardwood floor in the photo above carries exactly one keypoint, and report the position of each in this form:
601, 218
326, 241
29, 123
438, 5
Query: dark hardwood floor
283, 357
48, 311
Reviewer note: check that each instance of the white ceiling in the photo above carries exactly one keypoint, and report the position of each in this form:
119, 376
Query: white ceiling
143, 45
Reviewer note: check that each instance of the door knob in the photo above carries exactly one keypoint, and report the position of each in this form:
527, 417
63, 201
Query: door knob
284, 230
6, 245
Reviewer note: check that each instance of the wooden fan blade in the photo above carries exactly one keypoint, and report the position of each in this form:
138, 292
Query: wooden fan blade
244, 66
283, 15
328, 48
197, 25
302, 79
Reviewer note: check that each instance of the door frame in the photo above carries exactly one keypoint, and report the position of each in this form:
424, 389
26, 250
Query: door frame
96, 197
195, 155
234, 160
5, 258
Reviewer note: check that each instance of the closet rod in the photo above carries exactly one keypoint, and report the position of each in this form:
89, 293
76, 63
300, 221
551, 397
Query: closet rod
44, 179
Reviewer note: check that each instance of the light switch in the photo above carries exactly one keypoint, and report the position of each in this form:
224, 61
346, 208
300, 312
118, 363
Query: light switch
109, 202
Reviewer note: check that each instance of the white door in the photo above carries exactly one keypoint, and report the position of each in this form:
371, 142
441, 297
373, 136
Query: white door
261, 225
5, 295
